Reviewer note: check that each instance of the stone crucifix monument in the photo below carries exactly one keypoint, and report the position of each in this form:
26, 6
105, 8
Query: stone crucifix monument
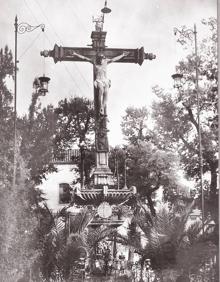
100, 56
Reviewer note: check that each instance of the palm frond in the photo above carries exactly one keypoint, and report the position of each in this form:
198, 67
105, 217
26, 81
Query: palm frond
81, 220
166, 233
96, 235
193, 231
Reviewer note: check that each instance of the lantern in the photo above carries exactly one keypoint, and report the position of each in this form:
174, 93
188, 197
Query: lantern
44, 80
177, 77
106, 10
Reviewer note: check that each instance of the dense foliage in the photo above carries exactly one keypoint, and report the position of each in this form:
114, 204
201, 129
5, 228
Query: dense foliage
147, 165
75, 129
37, 132
176, 116
17, 236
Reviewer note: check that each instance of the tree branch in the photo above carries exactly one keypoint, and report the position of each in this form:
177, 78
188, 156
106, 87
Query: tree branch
151, 205
188, 145
191, 117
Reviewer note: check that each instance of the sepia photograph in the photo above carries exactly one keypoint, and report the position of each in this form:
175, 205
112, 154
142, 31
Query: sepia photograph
109, 141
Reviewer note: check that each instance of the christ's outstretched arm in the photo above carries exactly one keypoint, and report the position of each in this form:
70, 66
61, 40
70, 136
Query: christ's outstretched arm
82, 57
117, 58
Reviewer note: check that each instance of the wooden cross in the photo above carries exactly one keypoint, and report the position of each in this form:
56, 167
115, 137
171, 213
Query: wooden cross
86, 54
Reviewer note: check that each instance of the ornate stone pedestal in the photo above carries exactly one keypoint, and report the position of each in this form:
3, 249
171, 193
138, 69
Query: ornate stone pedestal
102, 173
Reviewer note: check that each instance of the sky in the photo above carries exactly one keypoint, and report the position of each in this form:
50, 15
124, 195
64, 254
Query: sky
131, 24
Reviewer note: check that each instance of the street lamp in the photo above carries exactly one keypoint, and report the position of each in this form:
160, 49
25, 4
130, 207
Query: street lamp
125, 168
40, 84
116, 167
177, 77
192, 35
19, 28
106, 10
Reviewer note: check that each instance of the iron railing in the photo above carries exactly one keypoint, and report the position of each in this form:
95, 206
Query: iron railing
68, 157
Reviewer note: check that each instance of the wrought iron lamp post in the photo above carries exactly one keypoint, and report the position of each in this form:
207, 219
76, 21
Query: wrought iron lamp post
125, 168
116, 173
191, 34
20, 28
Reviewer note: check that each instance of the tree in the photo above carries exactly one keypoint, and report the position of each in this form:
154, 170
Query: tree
6, 71
134, 124
6, 115
18, 218
62, 237
150, 169
176, 121
18, 228
173, 243
47, 133
37, 138
51, 239
75, 122
117, 164
75, 127
148, 166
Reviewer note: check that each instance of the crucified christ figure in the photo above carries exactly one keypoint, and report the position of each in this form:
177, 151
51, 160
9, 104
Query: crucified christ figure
101, 82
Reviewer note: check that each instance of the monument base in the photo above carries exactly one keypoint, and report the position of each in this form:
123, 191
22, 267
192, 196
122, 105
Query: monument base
103, 177
102, 174
102, 160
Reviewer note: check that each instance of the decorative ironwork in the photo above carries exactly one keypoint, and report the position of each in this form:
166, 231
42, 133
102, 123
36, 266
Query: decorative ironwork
98, 23
184, 33
96, 196
25, 27
68, 157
